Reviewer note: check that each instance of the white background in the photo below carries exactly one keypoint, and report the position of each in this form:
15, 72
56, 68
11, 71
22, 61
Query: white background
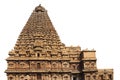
87, 23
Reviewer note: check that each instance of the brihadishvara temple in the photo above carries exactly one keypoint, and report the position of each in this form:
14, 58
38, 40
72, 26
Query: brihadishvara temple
39, 54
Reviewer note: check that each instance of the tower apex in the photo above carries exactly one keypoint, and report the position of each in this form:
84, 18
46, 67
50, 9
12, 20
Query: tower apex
39, 8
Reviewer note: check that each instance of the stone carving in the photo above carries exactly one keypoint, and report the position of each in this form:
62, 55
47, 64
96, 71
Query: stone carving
40, 55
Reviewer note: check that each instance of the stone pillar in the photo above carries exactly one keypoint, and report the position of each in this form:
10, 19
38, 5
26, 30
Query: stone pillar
60, 77
41, 76
71, 77
35, 77
16, 65
17, 78
49, 77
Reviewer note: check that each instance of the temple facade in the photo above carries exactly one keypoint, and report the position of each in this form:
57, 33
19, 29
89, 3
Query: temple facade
40, 55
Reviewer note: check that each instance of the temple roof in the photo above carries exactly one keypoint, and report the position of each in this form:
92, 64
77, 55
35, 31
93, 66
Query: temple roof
38, 33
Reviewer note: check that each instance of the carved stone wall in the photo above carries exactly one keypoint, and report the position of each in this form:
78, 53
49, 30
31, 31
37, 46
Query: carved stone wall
40, 55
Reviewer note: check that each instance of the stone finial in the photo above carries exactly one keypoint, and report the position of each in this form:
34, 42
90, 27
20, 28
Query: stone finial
39, 9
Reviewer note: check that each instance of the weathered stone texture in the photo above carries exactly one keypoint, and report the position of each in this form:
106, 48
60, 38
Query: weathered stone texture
40, 55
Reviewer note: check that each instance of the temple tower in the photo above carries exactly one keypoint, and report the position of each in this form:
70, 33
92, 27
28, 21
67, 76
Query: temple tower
40, 55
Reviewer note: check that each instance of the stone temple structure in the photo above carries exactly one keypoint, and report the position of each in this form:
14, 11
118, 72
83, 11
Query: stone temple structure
40, 55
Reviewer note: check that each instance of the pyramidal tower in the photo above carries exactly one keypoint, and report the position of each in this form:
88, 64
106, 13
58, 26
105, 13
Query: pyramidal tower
40, 55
